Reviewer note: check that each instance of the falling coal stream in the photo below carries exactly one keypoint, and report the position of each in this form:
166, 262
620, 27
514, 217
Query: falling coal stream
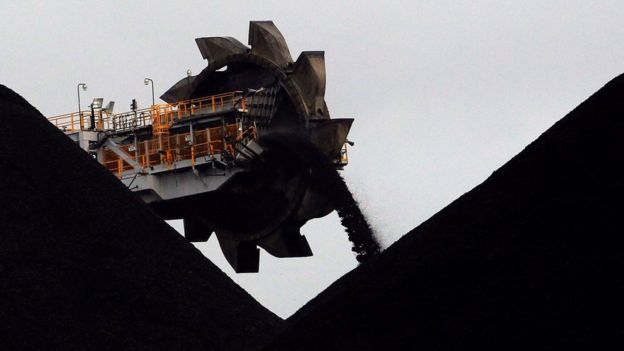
326, 180
359, 231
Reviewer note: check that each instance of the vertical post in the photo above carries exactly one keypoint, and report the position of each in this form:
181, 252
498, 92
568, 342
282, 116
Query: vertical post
100, 121
188, 88
84, 87
147, 153
192, 141
208, 141
192, 157
136, 149
92, 118
224, 135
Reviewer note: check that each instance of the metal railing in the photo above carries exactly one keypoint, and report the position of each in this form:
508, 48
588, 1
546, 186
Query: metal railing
70, 122
159, 115
164, 148
168, 149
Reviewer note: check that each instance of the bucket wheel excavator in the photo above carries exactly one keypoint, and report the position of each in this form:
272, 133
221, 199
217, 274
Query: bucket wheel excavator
267, 202
246, 149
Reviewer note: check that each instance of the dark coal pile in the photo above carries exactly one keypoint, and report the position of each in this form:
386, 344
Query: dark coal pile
533, 258
86, 265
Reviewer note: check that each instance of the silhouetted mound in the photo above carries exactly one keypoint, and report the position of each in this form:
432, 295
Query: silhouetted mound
533, 258
86, 265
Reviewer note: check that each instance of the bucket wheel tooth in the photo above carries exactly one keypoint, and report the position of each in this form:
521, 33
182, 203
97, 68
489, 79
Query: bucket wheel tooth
268, 42
243, 256
215, 49
195, 230
180, 90
286, 241
309, 78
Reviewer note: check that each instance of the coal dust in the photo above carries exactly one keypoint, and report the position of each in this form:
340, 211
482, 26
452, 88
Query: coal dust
359, 231
324, 179
332, 185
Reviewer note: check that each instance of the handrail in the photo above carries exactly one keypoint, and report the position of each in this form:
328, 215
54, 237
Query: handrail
160, 113
167, 149
163, 148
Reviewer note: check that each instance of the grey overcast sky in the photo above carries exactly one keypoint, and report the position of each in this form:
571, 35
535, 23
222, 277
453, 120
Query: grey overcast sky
443, 92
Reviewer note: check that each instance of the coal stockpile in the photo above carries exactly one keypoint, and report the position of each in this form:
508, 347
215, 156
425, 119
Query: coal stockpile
533, 258
86, 265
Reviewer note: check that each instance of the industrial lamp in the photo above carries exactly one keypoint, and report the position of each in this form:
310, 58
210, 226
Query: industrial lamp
84, 88
147, 81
